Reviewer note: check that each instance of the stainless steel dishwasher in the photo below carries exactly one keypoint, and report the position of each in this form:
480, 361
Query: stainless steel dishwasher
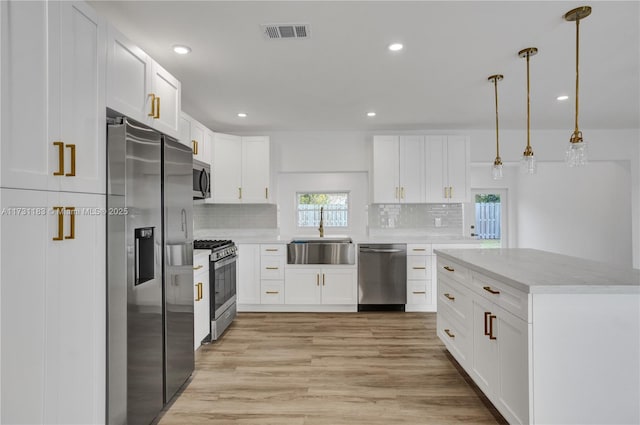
382, 277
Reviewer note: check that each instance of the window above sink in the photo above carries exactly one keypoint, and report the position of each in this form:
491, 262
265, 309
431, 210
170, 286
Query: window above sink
334, 204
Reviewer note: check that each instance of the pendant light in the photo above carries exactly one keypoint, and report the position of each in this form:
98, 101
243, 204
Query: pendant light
496, 170
528, 162
577, 150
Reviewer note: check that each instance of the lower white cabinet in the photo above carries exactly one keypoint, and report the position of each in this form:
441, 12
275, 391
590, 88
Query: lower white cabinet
326, 285
201, 299
52, 307
419, 283
248, 289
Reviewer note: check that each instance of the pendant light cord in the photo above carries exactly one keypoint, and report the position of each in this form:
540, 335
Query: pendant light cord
577, 73
495, 84
528, 106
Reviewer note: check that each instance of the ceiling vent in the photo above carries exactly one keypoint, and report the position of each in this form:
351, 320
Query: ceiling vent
285, 31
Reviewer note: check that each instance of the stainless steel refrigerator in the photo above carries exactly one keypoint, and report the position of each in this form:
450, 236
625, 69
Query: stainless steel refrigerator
150, 270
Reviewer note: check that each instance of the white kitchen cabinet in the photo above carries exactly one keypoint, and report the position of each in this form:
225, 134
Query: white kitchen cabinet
197, 136
240, 169
398, 169
201, 299
248, 291
325, 285
139, 87
448, 169
52, 307
419, 282
53, 97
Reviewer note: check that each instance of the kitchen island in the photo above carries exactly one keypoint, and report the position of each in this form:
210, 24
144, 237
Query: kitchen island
548, 338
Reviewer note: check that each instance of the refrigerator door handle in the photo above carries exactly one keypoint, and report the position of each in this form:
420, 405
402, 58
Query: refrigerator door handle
184, 223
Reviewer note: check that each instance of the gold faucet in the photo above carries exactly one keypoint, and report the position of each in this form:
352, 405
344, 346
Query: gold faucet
321, 228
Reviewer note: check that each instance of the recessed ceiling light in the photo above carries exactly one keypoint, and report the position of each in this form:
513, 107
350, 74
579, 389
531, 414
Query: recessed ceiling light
242, 114
563, 97
395, 47
181, 50
371, 114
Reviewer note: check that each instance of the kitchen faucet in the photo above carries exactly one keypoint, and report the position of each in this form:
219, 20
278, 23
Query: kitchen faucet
321, 228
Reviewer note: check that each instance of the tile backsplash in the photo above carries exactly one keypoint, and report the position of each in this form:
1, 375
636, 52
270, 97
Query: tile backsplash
436, 219
232, 216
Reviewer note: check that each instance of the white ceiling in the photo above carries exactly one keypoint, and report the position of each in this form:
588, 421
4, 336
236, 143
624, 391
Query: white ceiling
439, 81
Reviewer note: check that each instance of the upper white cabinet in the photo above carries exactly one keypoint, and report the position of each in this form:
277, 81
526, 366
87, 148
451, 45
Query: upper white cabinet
139, 87
53, 98
197, 136
398, 169
448, 169
240, 169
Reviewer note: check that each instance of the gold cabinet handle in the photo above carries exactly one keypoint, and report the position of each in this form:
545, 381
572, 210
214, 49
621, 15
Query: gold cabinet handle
271, 249
397, 192
448, 332
60, 171
239, 193
317, 279
445, 192
419, 268
198, 267
402, 192
194, 147
492, 291
322, 279
72, 148
201, 290
153, 105
72, 223
450, 297
197, 285
449, 269
157, 115
486, 316
419, 292
272, 292
450, 192
491, 317
59, 212
418, 249
272, 268
266, 193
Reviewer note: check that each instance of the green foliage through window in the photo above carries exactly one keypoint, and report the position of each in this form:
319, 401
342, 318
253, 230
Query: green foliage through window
335, 209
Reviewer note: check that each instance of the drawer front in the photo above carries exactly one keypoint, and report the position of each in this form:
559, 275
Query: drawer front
507, 297
419, 249
201, 262
456, 338
272, 268
453, 270
274, 249
419, 292
272, 292
419, 267
457, 298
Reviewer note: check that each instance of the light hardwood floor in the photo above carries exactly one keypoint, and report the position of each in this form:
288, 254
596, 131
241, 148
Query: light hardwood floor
316, 369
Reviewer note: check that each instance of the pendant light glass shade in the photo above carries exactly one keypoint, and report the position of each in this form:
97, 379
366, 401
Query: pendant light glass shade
528, 163
496, 170
576, 154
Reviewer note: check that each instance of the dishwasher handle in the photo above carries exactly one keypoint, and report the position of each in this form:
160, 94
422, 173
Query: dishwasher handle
378, 250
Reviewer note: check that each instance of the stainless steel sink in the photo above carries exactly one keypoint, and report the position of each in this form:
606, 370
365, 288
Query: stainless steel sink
321, 251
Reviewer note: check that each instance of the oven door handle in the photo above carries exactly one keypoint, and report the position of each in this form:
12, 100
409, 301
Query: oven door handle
225, 261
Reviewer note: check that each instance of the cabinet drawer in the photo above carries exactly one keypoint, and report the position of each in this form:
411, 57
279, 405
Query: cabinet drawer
453, 270
200, 262
455, 337
457, 298
419, 267
272, 292
507, 297
419, 249
419, 292
273, 250
272, 268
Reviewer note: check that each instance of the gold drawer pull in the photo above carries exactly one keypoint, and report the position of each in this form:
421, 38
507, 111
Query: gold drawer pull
488, 289
272, 268
60, 171
60, 213
266, 193
198, 267
449, 269
448, 332
419, 268
491, 317
72, 148
272, 250
450, 297
419, 249
272, 292
419, 292
72, 223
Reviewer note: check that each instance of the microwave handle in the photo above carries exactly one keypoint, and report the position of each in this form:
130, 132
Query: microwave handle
204, 186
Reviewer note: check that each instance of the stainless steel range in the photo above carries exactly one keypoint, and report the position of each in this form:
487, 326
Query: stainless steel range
222, 283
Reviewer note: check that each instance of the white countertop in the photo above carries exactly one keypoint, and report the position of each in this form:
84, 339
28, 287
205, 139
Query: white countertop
535, 271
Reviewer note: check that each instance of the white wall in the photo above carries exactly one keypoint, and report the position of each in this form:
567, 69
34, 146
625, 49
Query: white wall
349, 151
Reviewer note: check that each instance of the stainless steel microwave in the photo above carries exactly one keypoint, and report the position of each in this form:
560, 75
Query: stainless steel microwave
201, 180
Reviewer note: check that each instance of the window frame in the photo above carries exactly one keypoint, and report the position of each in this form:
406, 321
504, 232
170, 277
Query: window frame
322, 192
